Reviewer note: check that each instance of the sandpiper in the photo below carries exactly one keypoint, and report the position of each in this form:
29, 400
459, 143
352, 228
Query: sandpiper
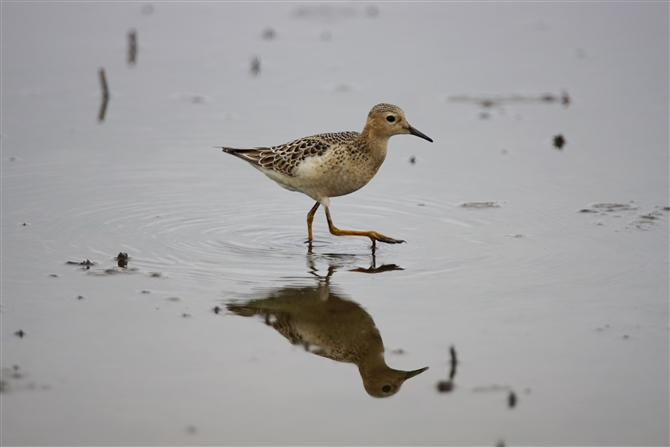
332, 164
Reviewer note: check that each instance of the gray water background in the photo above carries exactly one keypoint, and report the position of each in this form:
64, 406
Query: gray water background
545, 269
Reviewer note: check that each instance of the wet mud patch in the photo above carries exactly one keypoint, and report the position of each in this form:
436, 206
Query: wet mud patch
15, 378
497, 99
641, 219
332, 13
113, 271
606, 207
502, 102
646, 221
190, 98
480, 205
123, 271
85, 265
121, 268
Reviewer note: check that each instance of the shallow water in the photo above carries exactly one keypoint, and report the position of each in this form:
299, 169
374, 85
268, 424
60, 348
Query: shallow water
545, 269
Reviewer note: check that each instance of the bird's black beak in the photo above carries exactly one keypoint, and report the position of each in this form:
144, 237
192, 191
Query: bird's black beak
413, 131
416, 372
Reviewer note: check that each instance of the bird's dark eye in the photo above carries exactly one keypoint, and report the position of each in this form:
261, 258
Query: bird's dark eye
387, 388
390, 118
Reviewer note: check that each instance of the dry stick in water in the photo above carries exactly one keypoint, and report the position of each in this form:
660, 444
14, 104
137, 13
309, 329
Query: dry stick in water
132, 46
103, 83
105, 94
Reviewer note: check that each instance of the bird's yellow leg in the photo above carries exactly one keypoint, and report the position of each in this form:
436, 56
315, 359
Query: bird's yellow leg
373, 235
310, 219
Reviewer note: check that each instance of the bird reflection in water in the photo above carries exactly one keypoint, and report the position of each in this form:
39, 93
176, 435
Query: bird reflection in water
331, 326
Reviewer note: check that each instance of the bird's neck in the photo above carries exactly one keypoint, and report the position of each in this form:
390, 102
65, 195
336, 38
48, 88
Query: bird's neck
370, 364
375, 145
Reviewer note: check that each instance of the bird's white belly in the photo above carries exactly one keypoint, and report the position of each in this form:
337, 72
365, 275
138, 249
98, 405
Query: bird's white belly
319, 178
336, 174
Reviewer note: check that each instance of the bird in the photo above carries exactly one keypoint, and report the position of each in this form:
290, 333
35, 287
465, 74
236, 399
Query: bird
331, 326
332, 164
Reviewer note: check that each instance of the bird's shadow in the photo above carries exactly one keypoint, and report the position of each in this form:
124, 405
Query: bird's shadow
323, 321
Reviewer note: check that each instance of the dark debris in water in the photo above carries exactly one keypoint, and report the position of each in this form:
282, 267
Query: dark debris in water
446, 386
380, 269
480, 205
122, 259
511, 399
559, 141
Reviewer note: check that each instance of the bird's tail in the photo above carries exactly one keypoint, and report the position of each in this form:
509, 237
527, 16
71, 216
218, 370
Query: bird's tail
251, 155
228, 150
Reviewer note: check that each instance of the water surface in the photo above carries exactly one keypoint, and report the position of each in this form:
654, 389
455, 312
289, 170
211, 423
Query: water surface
545, 268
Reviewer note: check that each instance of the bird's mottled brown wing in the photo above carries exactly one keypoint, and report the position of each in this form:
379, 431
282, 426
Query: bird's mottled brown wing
286, 157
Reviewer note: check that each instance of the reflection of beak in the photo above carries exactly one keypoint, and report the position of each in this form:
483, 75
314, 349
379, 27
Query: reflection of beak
413, 131
411, 374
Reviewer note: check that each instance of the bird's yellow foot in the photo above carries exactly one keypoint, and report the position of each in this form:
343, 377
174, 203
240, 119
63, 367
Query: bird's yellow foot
374, 236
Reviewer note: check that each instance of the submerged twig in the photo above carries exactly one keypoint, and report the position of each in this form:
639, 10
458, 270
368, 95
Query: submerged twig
255, 66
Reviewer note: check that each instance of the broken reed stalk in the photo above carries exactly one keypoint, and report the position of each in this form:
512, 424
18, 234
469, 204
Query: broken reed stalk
103, 84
